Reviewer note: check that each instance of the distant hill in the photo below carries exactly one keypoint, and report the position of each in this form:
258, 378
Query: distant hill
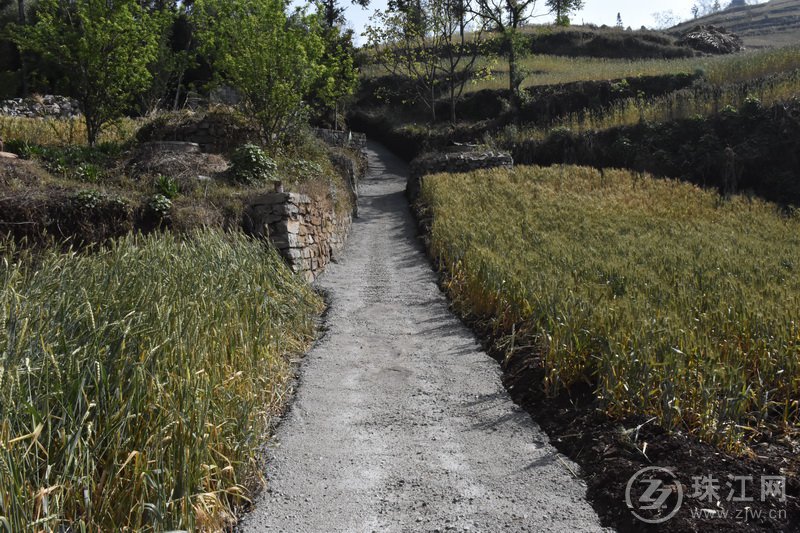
775, 23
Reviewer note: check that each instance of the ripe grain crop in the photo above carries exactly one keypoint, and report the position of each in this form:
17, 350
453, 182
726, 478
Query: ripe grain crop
63, 132
137, 382
674, 302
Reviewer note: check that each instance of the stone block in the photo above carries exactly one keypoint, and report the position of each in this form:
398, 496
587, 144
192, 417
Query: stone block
271, 198
285, 209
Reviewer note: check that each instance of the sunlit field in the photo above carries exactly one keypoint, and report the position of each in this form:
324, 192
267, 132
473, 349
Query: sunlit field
676, 303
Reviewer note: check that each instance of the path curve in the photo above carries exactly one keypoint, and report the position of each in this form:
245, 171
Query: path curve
401, 422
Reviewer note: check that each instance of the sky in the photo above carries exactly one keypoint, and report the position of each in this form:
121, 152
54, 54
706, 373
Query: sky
635, 13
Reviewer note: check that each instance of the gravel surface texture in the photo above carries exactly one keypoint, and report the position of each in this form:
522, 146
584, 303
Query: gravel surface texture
400, 422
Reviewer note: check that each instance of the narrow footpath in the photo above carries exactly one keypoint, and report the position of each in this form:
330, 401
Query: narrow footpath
401, 422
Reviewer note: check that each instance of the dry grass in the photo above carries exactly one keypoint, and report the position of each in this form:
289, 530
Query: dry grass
63, 132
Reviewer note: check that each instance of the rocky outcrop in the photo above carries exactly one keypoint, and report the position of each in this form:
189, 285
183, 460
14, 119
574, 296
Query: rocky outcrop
463, 158
712, 40
49, 106
307, 231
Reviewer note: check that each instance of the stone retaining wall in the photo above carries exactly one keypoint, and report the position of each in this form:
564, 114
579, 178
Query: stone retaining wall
215, 133
49, 106
307, 232
345, 139
456, 159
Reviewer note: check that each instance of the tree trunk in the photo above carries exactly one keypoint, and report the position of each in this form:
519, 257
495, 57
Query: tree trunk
453, 102
513, 86
433, 102
178, 91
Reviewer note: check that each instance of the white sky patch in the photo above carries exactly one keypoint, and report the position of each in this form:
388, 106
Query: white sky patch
634, 13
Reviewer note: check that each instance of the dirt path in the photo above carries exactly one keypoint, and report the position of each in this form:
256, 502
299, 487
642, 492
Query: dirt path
401, 422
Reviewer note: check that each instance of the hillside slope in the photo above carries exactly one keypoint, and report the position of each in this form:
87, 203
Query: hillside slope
775, 23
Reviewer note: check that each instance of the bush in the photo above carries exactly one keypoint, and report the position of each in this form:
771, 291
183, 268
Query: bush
159, 206
250, 165
167, 186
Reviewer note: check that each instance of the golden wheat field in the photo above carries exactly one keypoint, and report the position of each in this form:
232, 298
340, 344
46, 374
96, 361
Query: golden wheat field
675, 302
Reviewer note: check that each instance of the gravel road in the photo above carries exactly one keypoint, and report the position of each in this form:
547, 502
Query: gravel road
400, 422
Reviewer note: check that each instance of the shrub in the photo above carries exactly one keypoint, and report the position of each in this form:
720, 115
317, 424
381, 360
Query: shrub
250, 165
167, 186
159, 205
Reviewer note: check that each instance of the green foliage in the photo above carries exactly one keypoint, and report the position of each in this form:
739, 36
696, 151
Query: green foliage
507, 18
272, 59
167, 186
159, 206
562, 8
83, 163
88, 199
676, 303
250, 165
105, 47
88, 172
137, 383
338, 76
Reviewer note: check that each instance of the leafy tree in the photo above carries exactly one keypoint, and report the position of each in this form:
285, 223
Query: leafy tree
562, 8
333, 12
429, 45
507, 17
104, 45
399, 42
270, 58
338, 77
172, 58
459, 49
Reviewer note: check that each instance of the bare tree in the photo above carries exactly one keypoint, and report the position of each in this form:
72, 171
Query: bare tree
507, 17
429, 44
460, 49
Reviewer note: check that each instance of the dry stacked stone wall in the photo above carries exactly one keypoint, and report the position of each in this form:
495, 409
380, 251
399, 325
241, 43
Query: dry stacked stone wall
307, 231
456, 159
216, 133
345, 139
48, 106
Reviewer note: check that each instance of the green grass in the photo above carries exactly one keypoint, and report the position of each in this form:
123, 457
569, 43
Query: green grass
137, 383
554, 70
719, 70
768, 77
677, 303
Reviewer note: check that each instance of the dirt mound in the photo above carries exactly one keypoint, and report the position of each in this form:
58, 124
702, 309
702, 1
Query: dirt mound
15, 173
712, 40
186, 168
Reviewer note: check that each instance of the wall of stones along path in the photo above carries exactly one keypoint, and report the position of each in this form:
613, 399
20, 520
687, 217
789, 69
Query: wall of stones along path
307, 232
